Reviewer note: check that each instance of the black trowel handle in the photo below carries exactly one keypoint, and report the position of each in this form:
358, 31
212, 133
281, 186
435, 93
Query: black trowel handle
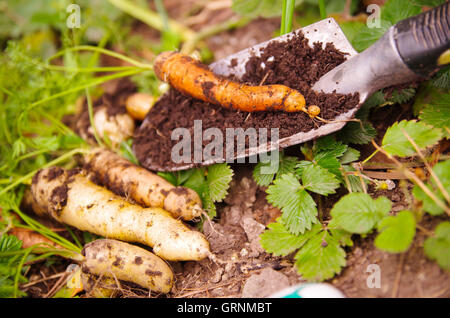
421, 40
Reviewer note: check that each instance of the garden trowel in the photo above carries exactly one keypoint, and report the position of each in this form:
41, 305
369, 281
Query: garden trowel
412, 49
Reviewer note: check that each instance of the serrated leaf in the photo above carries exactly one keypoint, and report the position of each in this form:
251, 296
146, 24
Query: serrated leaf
402, 96
438, 247
437, 113
301, 166
396, 10
196, 181
320, 258
442, 172
357, 133
343, 237
349, 156
298, 208
329, 147
396, 233
359, 213
219, 178
286, 165
279, 241
368, 36
442, 79
319, 180
396, 143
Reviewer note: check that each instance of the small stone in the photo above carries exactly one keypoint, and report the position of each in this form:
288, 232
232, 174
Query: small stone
264, 284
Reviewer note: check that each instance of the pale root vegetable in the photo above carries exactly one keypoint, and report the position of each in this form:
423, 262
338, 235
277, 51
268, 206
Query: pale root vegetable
139, 104
98, 286
70, 197
117, 127
195, 79
115, 259
124, 178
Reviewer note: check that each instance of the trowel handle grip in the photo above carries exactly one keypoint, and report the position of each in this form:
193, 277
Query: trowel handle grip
423, 41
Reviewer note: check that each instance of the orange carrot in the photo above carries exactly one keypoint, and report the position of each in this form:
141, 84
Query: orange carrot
195, 79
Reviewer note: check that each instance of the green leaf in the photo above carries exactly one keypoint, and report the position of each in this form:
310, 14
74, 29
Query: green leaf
357, 133
196, 181
169, 176
402, 96
442, 79
396, 143
320, 258
328, 147
359, 213
396, 10
437, 113
286, 165
438, 247
279, 241
349, 156
219, 178
298, 208
396, 233
319, 180
442, 172
368, 36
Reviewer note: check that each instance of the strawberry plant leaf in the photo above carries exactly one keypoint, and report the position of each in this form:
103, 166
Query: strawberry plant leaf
402, 96
442, 79
438, 247
368, 36
396, 143
279, 241
396, 10
286, 165
320, 258
349, 156
437, 113
329, 147
319, 180
396, 233
298, 208
357, 133
359, 213
442, 171
219, 178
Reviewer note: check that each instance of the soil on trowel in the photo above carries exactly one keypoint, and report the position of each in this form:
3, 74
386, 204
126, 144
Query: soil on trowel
292, 63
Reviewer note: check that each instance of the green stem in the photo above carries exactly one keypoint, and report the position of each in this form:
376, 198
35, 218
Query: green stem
102, 51
91, 117
287, 17
322, 9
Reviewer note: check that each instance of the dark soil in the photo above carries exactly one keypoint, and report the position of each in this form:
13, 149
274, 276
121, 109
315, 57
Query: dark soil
293, 63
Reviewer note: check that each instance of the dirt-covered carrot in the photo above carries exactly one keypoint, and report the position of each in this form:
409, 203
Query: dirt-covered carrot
127, 262
70, 197
190, 77
146, 188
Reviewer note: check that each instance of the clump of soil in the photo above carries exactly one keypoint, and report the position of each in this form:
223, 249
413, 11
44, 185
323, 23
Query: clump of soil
292, 63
